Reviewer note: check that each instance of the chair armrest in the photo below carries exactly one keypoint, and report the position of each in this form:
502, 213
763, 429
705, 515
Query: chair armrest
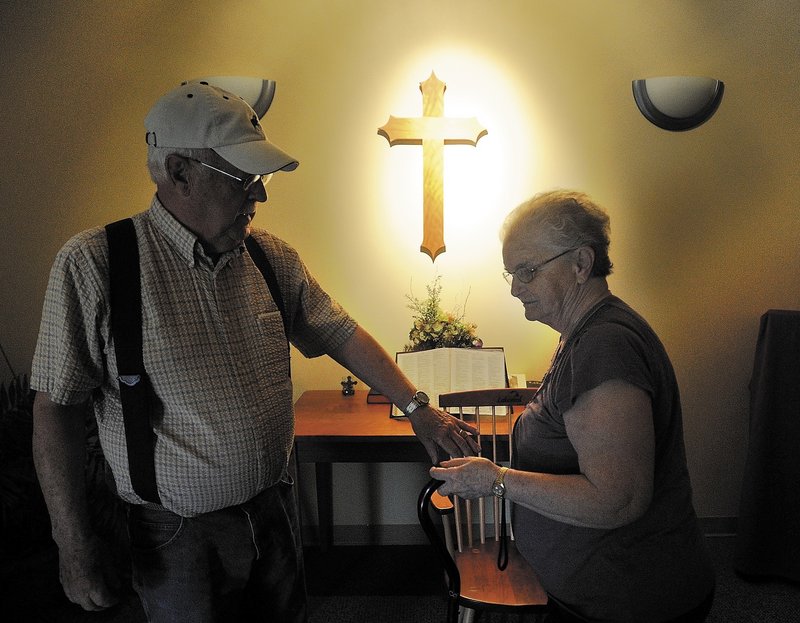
441, 503
509, 396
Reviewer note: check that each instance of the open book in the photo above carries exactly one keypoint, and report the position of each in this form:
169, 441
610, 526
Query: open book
442, 370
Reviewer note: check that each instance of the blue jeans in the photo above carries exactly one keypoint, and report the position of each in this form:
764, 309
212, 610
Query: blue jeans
243, 563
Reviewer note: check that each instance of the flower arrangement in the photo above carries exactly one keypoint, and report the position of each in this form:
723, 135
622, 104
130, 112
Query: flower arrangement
434, 328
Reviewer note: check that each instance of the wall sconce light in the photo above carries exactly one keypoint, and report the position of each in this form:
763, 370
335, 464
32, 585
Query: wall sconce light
257, 92
678, 103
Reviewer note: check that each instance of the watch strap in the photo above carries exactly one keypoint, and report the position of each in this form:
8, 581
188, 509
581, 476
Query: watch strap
419, 399
499, 486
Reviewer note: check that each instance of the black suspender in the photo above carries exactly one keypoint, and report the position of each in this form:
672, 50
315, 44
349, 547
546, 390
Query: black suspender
126, 327
262, 263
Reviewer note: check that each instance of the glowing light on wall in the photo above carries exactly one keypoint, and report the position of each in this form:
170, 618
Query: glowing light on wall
481, 185
433, 131
678, 103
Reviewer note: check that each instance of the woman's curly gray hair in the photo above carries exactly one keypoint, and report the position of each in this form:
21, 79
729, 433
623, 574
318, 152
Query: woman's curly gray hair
567, 220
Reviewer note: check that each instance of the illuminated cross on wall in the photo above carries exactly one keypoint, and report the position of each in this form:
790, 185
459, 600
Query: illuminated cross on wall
433, 131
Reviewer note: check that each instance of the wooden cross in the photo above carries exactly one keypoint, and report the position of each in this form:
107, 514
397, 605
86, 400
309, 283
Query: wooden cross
433, 131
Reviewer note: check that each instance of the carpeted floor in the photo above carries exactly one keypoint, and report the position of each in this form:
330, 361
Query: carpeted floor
341, 593
388, 584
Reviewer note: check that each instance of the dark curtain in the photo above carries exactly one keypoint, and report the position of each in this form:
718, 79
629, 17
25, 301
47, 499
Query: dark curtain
768, 540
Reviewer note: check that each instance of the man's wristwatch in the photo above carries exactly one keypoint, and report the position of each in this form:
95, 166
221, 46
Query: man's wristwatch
499, 487
419, 399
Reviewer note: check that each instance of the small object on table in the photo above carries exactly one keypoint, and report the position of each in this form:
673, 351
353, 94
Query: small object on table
347, 386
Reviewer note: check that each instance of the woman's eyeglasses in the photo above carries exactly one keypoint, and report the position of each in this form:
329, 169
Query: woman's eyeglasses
525, 274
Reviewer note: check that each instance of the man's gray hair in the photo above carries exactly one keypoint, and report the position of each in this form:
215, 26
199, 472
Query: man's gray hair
157, 158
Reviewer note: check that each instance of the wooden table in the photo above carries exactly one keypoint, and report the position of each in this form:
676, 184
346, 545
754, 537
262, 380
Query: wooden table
333, 428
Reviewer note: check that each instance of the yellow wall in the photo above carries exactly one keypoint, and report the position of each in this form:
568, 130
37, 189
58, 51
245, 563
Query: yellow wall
704, 223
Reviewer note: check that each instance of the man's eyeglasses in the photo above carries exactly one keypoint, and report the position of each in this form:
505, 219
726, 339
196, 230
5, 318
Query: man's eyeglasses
247, 182
525, 274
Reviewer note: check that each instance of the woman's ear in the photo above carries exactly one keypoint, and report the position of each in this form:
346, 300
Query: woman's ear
584, 264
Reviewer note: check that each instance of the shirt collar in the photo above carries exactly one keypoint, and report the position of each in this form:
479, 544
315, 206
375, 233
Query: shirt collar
184, 241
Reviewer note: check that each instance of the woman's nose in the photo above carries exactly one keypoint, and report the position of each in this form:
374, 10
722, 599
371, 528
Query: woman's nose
516, 285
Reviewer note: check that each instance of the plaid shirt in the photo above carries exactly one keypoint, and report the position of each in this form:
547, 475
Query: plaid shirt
214, 350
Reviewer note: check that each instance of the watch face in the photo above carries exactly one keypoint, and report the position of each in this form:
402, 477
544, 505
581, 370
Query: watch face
419, 399
499, 490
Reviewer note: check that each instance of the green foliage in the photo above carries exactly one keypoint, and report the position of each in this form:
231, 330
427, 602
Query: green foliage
434, 328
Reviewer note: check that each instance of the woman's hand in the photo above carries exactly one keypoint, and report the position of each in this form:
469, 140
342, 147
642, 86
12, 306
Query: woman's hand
469, 477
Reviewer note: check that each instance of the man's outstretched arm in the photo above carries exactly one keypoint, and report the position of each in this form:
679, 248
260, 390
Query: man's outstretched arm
369, 361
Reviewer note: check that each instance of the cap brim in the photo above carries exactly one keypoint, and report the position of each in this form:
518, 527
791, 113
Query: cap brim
257, 157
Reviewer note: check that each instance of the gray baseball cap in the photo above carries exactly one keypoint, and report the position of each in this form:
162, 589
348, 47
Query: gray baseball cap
199, 115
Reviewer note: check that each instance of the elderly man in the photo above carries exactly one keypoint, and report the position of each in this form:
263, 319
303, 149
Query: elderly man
215, 538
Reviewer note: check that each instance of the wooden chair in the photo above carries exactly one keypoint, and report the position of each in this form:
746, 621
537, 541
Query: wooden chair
471, 562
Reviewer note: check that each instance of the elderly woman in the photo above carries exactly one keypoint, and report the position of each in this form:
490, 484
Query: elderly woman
603, 503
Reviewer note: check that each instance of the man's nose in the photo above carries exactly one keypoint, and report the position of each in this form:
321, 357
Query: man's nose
258, 192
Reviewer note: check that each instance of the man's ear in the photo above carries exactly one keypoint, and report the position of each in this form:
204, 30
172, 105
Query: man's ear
584, 264
178, 172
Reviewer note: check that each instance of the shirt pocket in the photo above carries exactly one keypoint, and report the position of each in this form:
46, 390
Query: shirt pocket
273, 351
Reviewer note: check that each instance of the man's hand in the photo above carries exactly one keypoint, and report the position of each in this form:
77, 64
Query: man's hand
437, 429
468, 477
88, 574
368, 360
